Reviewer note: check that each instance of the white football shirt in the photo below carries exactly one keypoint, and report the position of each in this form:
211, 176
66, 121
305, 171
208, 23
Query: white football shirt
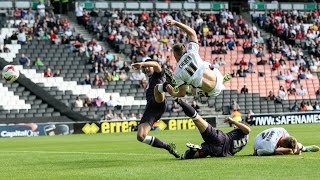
266, 142
190, 68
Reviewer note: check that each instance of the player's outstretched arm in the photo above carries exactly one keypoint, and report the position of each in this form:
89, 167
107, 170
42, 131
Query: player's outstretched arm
191, 33
244, 128
182, 90
156, 66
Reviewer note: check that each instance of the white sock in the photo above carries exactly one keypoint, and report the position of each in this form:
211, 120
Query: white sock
148, 140
160, 88
196, 116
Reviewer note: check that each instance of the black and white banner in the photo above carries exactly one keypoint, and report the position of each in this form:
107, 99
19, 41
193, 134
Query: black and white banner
286, 118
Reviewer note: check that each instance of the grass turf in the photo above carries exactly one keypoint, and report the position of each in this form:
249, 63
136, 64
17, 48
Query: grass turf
120, 156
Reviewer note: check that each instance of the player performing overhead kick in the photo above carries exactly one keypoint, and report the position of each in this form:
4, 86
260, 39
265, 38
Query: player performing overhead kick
156, 106
191, 69
277, 141
216, 143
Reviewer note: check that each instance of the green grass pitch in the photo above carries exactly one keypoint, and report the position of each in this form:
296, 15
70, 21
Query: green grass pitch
121, 156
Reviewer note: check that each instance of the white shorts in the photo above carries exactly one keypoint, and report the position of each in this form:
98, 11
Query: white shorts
219, 85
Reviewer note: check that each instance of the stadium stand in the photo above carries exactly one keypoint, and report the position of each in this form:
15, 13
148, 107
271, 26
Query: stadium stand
65, 58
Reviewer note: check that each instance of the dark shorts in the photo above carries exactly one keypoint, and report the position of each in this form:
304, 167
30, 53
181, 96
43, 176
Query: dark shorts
153, 112
214, 141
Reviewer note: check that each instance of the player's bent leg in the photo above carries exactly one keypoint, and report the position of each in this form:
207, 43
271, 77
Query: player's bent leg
143, 130
201, 124
158, 96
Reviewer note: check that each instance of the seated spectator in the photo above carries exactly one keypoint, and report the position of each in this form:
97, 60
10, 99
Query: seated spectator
309, 106
48, 73
125, 67
276, 64
316, 105
175, 107
98, 81
242, 62
98, 102
38, 62
112, 102
241, 72
233, 74
262, 62
132, 117
281, 76
318, 92
294, 68
95, 68
244, 90
78, 102
292, 89
87, 80
290, 78
250, 70
303, 106
22, 39
248, 119
108, 115
301, 75
308, 74
235, 106
295, 107
301, 91
24, 60
122, 117
87, 102
282, 95
123, 76
195, 105
271, 96
57, 73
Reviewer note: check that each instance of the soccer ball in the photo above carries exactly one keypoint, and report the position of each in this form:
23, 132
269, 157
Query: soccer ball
10, 73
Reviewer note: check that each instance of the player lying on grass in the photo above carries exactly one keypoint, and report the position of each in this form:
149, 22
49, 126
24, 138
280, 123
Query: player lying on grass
216, 143
191, 69
277, 141
156, 106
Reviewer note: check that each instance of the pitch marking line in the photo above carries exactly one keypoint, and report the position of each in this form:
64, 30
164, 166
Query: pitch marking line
79, 152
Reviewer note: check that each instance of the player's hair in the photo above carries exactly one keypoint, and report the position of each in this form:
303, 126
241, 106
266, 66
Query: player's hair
289, 142
179, 49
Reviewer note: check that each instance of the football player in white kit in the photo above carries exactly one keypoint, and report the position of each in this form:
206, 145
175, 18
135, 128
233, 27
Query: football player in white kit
191, 69
277, 141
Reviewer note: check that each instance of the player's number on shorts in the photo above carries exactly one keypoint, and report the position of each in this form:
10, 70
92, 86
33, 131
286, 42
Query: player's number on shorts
191, 68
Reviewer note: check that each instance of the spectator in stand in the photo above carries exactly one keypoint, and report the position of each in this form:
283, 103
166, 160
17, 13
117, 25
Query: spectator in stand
271, 96
54, 38
281, 76
122, 117
241, 72
235, 106
123, 76
108, 115
87, 80
248, 119
292, 89
57, 73
79, 13
98, 81
308, 74
244, 90
318, 92
125, 67
113, 103
41, 9
303, 106
132, 117
309, 106
22, 39
98, 102
282, 95
87, 102
38, 62
294, 68
24, 60
78, 102
295, 107
95, 68
301, 91
48, 73
175, 107
316, 106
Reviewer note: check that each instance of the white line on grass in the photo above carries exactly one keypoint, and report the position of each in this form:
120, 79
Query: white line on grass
79, 152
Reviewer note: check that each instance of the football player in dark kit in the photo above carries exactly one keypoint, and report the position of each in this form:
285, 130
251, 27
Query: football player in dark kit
216, 143
156, 105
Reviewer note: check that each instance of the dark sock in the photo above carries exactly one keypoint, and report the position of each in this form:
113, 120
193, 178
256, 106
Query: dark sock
187, 109
159, 144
